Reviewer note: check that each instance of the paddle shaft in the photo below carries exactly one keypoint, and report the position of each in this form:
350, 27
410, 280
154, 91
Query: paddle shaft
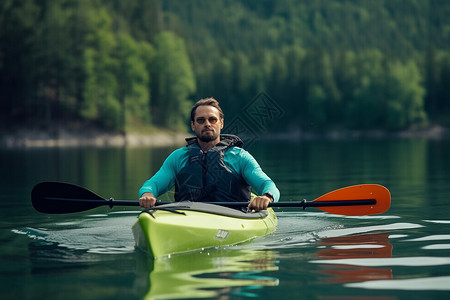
364, 199
111, 203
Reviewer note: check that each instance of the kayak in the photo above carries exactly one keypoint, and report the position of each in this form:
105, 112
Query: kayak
187, 226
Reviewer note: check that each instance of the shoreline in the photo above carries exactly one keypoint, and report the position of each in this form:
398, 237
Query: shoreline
64, 138
33, 138
433, 132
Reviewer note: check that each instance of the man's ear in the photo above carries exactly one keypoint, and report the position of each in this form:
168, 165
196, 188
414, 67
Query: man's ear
192, 126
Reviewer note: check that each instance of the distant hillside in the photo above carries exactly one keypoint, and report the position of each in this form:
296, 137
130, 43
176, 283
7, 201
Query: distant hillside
321, 65
397, 27
312, 55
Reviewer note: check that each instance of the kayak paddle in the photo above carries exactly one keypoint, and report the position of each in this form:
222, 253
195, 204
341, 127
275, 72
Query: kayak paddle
363, 199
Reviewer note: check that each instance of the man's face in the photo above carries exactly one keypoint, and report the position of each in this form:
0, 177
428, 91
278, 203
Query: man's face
207, 123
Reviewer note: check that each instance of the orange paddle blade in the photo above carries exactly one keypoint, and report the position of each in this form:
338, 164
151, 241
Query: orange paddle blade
377, 192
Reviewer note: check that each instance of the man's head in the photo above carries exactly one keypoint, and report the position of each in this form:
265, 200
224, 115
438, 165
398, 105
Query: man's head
207, 101
207, 119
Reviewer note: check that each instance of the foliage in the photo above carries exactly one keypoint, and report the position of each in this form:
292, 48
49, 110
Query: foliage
121, 64
101, 85
135, 60
70, 60
329, 64
174, 81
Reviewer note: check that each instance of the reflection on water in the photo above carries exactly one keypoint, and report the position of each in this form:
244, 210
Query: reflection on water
366, 261
212, 273
338, 250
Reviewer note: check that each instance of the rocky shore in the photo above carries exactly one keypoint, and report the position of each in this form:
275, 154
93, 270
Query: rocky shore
96, 138
432, 132
92, 138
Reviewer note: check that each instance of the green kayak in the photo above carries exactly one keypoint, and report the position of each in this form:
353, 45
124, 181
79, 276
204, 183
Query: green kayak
187, 226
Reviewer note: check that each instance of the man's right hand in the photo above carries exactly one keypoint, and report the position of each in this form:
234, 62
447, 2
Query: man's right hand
147, 200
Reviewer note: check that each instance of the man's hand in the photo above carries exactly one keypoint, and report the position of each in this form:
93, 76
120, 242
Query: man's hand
260, 203
147, 200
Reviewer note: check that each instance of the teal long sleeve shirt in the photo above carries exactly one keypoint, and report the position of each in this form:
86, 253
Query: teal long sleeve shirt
235, 158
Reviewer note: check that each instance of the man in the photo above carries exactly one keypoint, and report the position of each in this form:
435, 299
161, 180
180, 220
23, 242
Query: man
212, 167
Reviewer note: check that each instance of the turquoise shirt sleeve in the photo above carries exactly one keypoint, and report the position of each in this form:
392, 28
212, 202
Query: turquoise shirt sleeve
246, 165
164, 179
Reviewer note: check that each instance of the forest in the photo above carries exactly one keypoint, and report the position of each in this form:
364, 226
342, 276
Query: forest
136, 65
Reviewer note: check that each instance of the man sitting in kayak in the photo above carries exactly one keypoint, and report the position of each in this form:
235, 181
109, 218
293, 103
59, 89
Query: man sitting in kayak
212, 167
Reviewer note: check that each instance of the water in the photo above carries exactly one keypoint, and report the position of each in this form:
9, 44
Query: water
400, 254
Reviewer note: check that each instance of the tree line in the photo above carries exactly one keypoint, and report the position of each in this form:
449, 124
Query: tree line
329, 64
130, 64
77, 60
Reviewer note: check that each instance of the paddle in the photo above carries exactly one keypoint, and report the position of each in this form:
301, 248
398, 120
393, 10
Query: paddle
364, 199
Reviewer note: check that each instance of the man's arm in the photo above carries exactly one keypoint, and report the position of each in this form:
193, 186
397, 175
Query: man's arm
163, 180
263, 185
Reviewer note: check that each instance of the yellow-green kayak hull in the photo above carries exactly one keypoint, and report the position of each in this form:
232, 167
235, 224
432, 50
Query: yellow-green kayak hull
188, 226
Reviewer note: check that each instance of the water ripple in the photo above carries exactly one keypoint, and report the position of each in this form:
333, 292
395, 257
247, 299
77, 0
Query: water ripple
358, 230
418, 261
435, 237
437, 247
414, 284
438, 221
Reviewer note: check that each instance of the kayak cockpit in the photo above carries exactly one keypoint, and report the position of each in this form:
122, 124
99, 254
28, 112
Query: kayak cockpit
178, 207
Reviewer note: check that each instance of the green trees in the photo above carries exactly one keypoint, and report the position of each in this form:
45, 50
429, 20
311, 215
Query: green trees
366, 105
100, 91
173, 82
387, 95
78, 60
122, 65
17, 49
135, 62
437, 81
405, 97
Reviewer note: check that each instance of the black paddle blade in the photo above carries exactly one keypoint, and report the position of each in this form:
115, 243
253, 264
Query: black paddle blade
60, 198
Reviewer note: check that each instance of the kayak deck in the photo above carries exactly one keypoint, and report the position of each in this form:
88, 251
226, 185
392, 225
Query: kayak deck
188, 226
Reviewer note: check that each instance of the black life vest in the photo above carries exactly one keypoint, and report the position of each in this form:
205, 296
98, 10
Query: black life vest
206, 178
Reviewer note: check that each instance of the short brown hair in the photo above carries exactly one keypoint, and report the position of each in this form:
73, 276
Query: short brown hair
206, 101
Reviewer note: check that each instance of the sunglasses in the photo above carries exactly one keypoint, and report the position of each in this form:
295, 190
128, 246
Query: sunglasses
211, 120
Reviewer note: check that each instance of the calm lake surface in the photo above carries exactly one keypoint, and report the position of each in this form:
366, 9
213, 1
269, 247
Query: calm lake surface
401, 254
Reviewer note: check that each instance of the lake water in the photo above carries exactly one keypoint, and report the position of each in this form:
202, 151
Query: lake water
401, 254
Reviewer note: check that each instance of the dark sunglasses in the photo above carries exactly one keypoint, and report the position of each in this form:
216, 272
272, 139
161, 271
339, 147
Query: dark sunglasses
211, 120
